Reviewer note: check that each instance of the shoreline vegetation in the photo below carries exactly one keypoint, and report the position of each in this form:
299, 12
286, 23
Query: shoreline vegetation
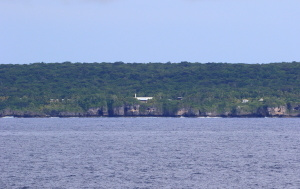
175, 117
164, 90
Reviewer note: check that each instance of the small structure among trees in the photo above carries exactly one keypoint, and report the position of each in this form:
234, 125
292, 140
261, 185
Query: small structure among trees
245, 101
143, 99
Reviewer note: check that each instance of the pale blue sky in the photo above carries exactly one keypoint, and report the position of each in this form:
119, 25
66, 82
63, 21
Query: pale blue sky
248, 31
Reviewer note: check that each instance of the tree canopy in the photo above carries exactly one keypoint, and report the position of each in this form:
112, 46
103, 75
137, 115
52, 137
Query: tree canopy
79, 86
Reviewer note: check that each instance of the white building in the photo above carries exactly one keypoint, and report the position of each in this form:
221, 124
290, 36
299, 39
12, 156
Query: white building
245, 101
143, 99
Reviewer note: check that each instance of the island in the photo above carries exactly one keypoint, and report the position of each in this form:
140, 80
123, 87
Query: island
150, 89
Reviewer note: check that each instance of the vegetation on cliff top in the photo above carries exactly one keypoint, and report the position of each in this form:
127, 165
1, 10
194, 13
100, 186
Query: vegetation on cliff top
76, 87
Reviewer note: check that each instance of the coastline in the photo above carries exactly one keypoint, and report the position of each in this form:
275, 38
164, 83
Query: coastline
137, 111
193, 117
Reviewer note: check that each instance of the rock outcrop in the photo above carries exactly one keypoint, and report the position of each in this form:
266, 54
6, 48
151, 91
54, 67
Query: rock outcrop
16, 113
132, 110
100, 111
69, 114
153, 110
188, 112
277, 111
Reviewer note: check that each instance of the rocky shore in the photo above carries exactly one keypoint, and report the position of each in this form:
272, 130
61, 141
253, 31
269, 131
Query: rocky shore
156, 111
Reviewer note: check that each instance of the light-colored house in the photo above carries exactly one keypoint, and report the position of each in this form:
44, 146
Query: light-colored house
261, 100
245, 101
143, 99
54, 100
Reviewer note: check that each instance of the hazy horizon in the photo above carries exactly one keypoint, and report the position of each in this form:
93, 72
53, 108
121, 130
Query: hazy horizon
203, 31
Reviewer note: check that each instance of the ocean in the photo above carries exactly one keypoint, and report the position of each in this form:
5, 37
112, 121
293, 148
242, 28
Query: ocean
149, 153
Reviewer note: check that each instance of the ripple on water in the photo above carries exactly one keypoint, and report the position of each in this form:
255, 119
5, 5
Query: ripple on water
149, 153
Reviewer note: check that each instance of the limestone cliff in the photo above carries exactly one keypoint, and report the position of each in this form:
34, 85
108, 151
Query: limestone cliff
100, 111
156, 110
277, 111
17, 113
189, 112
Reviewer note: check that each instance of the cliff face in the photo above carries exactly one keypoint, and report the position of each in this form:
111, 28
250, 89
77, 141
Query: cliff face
16, 113
152, 111
138, 110
277, 111
100, 111
189, 112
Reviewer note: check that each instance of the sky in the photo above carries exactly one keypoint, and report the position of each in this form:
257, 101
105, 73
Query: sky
233, 31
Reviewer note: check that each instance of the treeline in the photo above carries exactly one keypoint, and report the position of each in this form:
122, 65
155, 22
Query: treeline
77, 87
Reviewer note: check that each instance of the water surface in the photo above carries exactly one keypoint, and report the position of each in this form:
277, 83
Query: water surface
149, 153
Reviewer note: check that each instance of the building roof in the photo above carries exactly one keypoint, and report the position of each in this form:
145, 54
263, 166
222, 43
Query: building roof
144, 98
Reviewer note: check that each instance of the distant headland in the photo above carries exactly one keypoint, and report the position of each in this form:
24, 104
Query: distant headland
153, 89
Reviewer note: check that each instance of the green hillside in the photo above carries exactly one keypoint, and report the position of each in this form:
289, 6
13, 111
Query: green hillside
76, 87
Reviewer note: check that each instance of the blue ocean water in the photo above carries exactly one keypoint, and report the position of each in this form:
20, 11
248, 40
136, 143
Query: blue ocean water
149, 153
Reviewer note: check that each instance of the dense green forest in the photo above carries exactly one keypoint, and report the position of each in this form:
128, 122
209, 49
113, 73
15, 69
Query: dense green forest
51, 88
